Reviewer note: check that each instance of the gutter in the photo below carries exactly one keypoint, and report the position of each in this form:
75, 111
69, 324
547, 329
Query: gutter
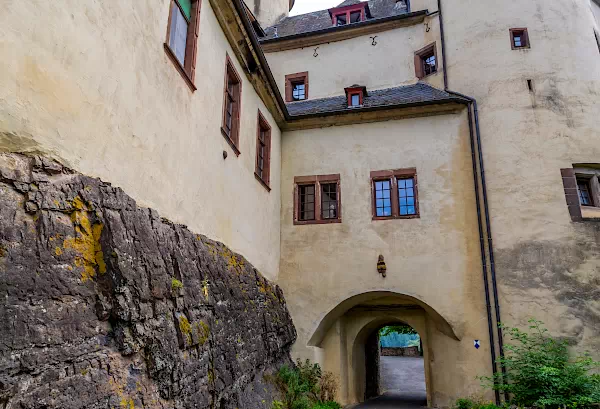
347, 27
473, 114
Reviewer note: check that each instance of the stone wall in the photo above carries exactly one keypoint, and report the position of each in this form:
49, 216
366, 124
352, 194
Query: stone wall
408, 351
107, 305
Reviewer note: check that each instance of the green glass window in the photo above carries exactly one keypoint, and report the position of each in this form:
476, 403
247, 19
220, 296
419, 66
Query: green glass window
186, 7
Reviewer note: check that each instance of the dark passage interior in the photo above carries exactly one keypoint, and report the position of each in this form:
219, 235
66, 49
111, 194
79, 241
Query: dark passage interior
395, 374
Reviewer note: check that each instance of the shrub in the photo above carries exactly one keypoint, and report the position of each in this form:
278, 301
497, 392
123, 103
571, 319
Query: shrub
327, 405
328, 387
539, 372
304, 387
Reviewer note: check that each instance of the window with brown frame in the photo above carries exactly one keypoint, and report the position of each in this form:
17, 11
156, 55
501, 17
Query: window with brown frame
519, 38
355, 95
317, 199
231, 106
582, 191
395, 194
426, 61
263, 152
296, 87
182, 37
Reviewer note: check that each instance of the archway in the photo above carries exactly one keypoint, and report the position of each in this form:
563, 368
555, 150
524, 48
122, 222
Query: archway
342, 335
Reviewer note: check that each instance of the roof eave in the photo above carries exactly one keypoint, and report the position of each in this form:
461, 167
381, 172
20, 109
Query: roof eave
375, 114
347, 29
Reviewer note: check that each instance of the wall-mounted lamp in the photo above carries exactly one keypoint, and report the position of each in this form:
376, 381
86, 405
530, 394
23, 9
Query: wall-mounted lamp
381, 267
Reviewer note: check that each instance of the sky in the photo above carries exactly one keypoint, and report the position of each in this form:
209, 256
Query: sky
306, 6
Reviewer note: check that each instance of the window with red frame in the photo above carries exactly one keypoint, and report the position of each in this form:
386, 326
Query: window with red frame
230, 127
348, 15
182, 36
263, 152
317, 199
395, 194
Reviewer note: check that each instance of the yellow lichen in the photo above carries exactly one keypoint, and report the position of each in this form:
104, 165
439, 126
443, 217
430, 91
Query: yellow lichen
203, 332
185, 328
58, 251
86, 244
205, 288
127, 404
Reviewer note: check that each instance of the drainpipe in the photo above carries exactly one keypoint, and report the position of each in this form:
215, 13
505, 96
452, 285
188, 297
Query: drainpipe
473, 113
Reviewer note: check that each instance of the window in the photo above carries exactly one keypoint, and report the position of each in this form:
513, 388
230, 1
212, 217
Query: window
231, 106
395, 194
426, 61
519, 38
182, 37
355, 95
354, 13
263, 152
298, 91
582, 191
296, 87
317, 199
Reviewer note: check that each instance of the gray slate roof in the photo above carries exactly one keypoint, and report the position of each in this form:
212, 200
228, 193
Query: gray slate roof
419, 93
320, 20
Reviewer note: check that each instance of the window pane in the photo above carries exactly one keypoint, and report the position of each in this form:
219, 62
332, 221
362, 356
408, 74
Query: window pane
298, 92
355, 16
186, 5
429, 66
583, 188
178, 34
306, 200
355, 100
406, 196
341, 20
383, 203
329, 204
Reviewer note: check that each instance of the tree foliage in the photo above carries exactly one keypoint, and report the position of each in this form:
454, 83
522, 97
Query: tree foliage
397, 329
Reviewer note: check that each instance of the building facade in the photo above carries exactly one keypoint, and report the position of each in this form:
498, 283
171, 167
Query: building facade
454, 141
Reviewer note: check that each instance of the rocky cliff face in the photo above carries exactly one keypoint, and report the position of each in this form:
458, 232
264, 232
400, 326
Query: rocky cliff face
106, 305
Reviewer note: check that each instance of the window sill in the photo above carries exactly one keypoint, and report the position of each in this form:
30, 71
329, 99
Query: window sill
412, 216
262, 182
590, 213
306, 222
230, 142
179, 67
428, 76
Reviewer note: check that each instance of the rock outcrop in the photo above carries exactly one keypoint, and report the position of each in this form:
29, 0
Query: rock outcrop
106, 305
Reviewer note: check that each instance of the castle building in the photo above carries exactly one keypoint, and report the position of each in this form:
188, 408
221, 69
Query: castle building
454, 142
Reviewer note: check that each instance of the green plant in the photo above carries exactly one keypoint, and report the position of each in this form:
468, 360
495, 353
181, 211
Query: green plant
473, 403
539, 372
328, 387
326, 405
304, 387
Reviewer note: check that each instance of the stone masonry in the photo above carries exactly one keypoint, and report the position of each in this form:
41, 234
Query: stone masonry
107, 305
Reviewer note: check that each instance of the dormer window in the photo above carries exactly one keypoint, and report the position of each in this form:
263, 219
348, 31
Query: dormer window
354, 13
355, 95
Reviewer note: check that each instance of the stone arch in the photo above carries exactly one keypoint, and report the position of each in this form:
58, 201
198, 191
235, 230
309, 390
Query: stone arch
442, 324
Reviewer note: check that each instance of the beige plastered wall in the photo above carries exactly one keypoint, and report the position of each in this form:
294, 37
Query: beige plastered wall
269, 12
434, 259
90, 84
341, 64
548, 267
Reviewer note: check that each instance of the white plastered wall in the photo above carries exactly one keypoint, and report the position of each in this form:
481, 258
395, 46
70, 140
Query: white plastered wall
90, 84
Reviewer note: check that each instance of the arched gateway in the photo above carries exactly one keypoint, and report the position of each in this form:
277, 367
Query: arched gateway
343, 342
